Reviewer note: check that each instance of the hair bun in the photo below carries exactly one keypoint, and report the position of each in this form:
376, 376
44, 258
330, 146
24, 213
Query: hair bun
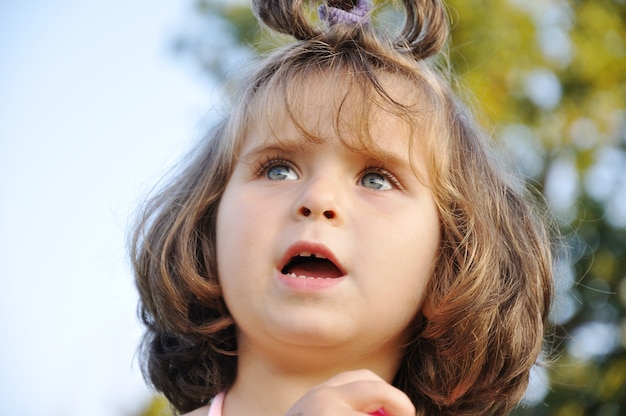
426, 28
425, 31
285, 16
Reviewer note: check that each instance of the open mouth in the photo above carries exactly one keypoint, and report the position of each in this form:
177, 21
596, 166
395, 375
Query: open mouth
311, 266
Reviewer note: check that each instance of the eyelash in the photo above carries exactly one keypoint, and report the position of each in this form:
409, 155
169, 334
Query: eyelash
384, 172
270, 161
265, 164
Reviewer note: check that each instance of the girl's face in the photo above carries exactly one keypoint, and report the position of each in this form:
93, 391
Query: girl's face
320, 245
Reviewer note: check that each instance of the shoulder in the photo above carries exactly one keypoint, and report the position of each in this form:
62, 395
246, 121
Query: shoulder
201, 411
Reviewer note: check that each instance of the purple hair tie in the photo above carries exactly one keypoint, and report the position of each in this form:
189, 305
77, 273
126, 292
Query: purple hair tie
359, 15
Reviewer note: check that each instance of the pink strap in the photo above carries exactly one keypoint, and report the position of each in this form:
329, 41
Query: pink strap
218, 402
216, 405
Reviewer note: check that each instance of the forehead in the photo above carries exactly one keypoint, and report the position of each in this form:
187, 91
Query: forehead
365, 112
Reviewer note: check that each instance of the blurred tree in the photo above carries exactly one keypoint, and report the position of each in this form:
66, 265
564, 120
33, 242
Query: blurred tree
550, 75
158, 406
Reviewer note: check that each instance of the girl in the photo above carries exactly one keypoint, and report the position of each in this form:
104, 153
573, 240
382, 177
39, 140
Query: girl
342, 243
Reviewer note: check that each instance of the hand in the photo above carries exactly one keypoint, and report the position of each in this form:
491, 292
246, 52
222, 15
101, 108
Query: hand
353, 393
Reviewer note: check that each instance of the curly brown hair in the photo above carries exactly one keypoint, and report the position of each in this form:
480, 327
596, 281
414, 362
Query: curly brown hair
481, 329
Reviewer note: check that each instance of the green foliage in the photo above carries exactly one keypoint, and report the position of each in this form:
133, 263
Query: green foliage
158, 406
551, 76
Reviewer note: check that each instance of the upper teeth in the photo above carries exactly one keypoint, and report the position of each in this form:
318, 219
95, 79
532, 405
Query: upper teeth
309, 254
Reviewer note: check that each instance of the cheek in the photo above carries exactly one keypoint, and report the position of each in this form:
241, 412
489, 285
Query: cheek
231, 242
410, 256
245, 230
230, 232
235, 216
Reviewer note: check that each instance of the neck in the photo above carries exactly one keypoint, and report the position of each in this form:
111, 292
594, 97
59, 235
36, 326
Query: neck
269, 383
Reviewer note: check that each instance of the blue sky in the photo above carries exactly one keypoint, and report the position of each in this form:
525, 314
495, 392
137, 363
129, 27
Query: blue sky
93, 108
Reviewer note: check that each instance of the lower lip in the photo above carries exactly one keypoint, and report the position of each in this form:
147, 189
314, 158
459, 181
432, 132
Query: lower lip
308, 285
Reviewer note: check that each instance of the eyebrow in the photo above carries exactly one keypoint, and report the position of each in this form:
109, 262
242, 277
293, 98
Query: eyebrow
384, 157
277, 145
299, 144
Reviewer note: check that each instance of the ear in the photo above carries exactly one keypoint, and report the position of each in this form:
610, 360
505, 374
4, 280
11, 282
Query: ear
427, 308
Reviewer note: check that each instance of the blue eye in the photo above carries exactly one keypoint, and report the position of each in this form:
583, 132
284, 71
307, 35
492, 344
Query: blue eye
281, 172
375, 180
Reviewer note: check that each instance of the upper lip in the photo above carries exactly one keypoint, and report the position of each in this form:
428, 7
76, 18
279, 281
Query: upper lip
303, 248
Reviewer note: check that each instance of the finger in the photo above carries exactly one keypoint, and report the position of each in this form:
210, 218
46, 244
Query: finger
370, 396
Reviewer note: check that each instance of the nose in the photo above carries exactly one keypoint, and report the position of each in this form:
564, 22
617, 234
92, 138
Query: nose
320, 198
328, 214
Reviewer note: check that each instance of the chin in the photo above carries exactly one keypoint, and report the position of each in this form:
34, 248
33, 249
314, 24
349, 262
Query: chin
316, 333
